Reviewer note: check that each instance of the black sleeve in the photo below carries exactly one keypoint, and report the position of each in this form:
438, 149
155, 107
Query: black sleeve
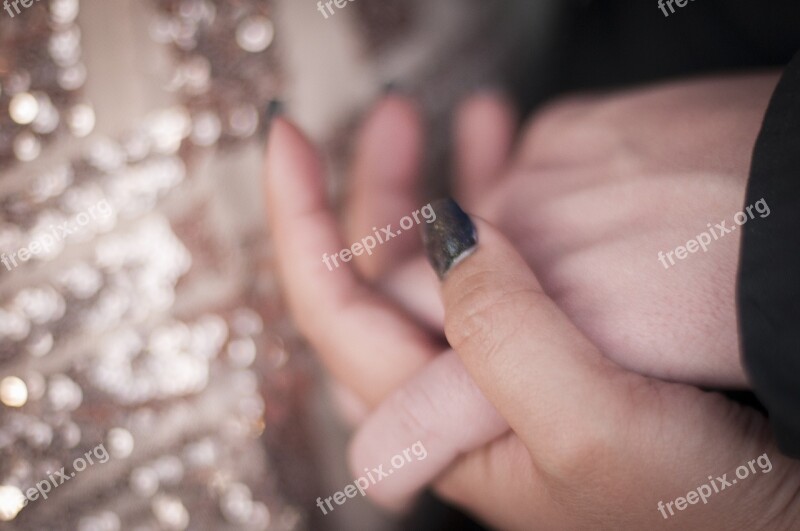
768, 289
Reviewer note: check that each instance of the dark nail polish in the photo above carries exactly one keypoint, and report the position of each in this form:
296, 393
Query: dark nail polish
274, 109
450, 237
390, 87
397, 88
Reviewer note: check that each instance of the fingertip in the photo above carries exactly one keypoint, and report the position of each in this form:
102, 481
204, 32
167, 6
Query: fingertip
392, 131
294, 174
398, 104
455, 236
487, 105
286, 146
484, 128
450, 238
384, 179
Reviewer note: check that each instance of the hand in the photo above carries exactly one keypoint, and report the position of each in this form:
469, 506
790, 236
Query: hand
598, 189
371, 346
593, 446
595, 191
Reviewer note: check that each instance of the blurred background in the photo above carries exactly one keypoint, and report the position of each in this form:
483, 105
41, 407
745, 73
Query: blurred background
158, 330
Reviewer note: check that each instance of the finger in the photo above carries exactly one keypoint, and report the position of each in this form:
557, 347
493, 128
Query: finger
443, 409
589, 425
414, 287
541, 373
351, 409
371, 348
484, 135
385, 178
495, 482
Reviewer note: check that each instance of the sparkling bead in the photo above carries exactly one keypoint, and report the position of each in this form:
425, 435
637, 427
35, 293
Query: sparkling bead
13, 391
254, 34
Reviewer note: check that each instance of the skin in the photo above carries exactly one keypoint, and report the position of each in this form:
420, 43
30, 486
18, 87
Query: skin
593, 445
592, 193
647, 170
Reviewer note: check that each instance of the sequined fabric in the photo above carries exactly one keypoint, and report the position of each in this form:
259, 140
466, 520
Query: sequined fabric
134, 327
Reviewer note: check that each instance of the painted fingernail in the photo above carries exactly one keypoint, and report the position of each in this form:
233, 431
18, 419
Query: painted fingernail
274, 109
390, 87
450, 238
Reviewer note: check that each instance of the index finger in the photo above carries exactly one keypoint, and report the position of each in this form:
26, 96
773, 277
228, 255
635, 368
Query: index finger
366, 342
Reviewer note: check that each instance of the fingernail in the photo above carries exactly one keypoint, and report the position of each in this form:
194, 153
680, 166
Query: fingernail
450, 238
390, 87
274, 109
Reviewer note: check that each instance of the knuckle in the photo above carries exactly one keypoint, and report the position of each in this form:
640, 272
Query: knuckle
469, 321
416, 412
574, 457
576, 129
476, 475
484, 315
465, 484
558, 116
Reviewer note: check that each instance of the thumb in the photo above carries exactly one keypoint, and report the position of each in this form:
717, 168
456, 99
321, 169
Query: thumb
543, 376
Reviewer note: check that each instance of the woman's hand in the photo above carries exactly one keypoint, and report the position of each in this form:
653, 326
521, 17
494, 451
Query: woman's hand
372, 345
593, 446
595, 190
598, 195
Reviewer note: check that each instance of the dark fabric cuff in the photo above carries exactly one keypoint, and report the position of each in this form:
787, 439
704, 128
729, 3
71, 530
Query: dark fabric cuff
768, 287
